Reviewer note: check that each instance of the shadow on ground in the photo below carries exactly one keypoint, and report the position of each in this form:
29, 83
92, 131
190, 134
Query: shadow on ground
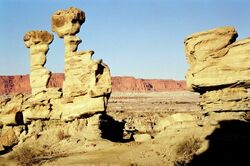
112, 129
228, 145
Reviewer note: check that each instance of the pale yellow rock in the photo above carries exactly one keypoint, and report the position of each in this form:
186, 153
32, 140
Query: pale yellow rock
142, 137
8, 138
219, 69
12, 105
85, 107
227, 99
50, 93
181, 117
67, 22
39, 79
217, 60
8, 119
38, 42
36, 112
87, 83
175, 121
37, 37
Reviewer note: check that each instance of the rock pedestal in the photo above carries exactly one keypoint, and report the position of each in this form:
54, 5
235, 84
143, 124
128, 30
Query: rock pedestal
38, 42
87, 83
219, 70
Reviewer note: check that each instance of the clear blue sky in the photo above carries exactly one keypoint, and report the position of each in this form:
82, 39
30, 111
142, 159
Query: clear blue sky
142, 38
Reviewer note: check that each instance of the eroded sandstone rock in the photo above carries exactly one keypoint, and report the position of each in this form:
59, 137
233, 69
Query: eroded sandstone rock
83, 76
8, 138
38, 42
85, 93
67, 22
219, 69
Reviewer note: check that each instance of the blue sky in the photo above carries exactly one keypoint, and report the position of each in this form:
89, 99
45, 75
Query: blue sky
141, 38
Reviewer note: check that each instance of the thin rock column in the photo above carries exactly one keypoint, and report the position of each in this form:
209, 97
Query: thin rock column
38, 42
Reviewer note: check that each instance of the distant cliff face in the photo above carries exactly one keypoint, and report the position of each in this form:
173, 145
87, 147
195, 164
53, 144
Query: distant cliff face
131, 84
20, 84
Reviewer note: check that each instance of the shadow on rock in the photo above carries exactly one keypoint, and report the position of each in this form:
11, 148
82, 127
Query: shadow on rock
228, 145
112, 129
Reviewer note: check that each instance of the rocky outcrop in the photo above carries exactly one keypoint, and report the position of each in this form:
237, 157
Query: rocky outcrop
38, 42
20, 84
219, 70
86, 85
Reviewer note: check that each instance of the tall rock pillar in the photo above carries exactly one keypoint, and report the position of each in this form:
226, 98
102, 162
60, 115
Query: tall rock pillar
38, 42
87, 84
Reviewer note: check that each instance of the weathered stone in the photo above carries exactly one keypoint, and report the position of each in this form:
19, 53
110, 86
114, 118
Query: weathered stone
67, 22
85, 93
217, 60
36, 112
177, 120
37, 37
38, 42
219, 70
142, 137
227, 99
11, 105
8, 138
82, 106
8, 119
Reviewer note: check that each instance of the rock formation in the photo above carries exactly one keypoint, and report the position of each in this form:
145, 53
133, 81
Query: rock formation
85, 94
219, 71
87, 83
38, 42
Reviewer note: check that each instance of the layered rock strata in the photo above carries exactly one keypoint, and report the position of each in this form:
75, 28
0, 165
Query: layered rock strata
219, 70
38, 42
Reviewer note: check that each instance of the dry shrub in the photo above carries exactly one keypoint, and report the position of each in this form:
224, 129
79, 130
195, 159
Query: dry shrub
27, 156
62, 135
186, 150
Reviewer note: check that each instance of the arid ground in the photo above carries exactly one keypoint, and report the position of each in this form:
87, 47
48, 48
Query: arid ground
159, 128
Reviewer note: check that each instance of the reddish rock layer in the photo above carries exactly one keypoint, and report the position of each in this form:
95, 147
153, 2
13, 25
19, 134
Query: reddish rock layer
131, 84
20, 84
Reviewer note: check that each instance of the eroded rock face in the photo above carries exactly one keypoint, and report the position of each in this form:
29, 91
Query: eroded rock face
219, 69
38, 42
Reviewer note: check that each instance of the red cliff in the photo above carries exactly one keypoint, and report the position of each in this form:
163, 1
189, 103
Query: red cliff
20, 84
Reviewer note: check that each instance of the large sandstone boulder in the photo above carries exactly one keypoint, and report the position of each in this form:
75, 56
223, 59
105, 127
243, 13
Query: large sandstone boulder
67, 22
217, 60
219, 69
8, 138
